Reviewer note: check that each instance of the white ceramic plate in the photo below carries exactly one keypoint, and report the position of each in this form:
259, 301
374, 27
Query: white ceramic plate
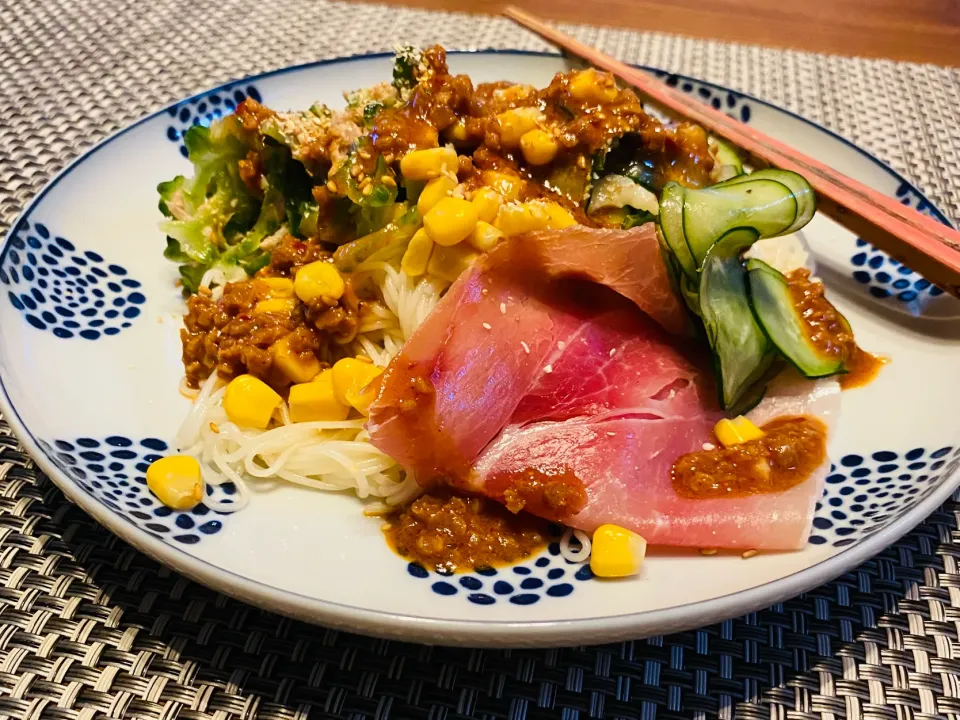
90, 364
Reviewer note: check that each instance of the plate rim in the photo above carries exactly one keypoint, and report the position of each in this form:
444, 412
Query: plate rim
475, 632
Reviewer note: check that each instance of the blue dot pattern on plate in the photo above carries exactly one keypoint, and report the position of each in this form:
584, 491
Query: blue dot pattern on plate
207, 108
69, 292
884, 277
732, 103
547, 575
113, 471
864, 493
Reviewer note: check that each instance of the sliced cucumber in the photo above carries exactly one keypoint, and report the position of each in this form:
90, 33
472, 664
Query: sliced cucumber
691, 295
802, 192
741, 351
671, 227
777, 315
764, 205
727, 158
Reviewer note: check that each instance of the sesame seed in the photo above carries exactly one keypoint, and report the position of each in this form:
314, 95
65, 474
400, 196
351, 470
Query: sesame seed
748, 554
526, 348
561, 345
484, 291
388, 158
613, 351
709, 446
386, 527
388, 181
503, 308
215, 427
548, 369
331, 186
486, 326
708, 551
367, 189
355, 170
612, 434
364, 154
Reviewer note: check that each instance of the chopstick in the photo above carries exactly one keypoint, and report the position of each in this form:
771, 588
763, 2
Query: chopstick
919, 242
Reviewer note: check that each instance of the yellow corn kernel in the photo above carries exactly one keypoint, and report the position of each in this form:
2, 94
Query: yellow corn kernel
318, 279
297, 367
538, 146
507, 185
176, 481
435, 191
484, 237
488, 203
417, 254
512, 93
450, 221
559, 216
448, 262
316, 400
428, 164
736, 431
592, 86
514, 123
250, 402
279, 287
276, 305
617, 552
351, 382
518, 218
457, 132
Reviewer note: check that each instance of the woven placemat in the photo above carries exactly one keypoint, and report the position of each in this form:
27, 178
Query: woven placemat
89, 627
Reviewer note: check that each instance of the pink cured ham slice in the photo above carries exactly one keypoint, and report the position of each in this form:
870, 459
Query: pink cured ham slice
517, 369
625, 464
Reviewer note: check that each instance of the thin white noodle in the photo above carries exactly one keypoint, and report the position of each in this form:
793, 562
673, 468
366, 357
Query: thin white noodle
569, 552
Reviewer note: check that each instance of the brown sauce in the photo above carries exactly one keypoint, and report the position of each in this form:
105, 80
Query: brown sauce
453, 533
829, 331
551, 493
790, 450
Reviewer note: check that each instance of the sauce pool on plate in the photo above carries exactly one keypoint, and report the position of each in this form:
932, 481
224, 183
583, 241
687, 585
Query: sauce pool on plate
451, 533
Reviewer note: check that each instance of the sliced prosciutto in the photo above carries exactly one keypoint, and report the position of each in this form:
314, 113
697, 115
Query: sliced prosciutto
555, 376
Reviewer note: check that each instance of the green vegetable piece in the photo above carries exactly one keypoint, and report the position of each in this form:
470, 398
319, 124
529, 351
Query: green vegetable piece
727, 157
671, 228
778, 316
741, 351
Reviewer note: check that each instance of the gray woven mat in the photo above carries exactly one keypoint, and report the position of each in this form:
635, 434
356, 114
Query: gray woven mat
89, 627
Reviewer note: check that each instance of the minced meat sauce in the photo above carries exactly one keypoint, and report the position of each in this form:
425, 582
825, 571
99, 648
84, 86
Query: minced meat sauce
229, 337
451, 533
789, 451
829, 331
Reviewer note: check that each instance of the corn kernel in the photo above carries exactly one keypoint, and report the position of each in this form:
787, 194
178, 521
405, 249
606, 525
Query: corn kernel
250, 402
318, 279
417, 254
279, 287
488, 203
449, 262
316, 400
736, 431
518, 218
434, 191
276, 305
297, 367
507, 185
617, 552
538, 146
428, 164
592, 86
559, 216
484, 237
457, 132
514, 123
450, 221
176, 481
352, 379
